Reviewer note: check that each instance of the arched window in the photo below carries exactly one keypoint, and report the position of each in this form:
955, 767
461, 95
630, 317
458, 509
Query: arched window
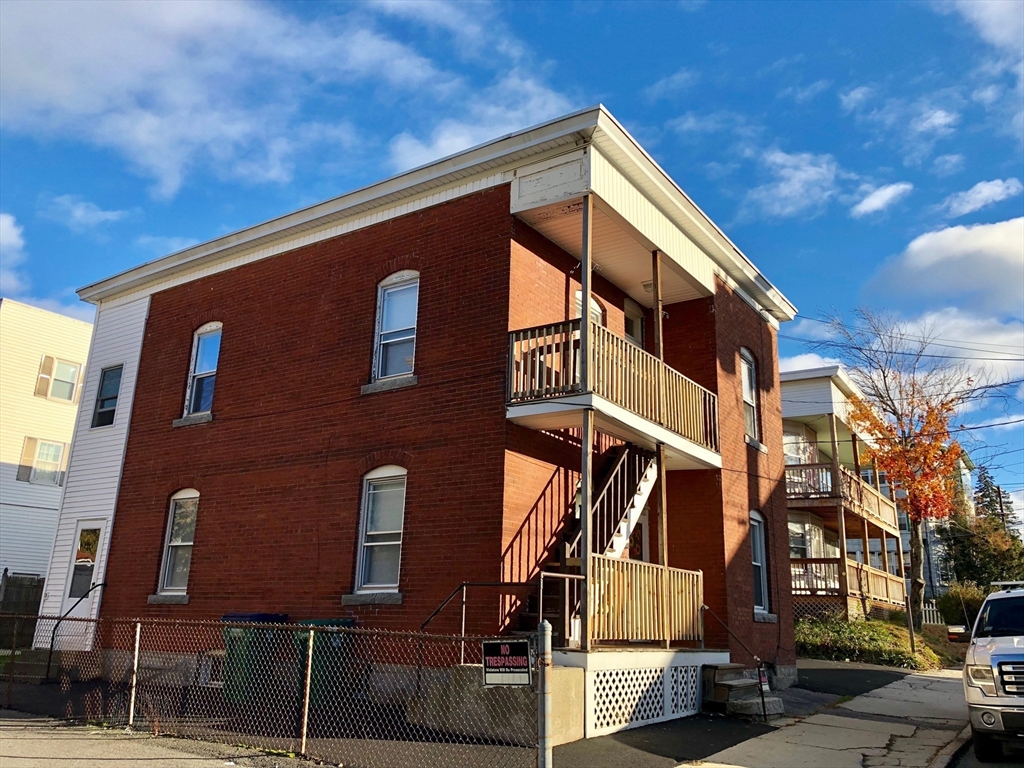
203, 369
380, 530
394, 348
748, 372
596, 310
181, 528
759, 562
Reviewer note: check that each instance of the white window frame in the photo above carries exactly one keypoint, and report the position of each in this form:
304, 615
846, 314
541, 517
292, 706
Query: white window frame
35, 463
204, 330
387, 472
74, 384
757, 536
633, 311
394, 282
162, 588
596, 308
748, 375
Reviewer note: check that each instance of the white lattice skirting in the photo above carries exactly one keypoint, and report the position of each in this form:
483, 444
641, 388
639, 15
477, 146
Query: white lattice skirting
632, 688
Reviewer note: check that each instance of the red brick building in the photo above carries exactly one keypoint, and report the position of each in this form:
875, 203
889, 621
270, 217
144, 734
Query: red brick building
356, 408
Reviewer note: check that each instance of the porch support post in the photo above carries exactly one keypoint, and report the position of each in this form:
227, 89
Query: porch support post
659, 339
844, 587
856, 455
837, 486
874, 472
586, 464
666, 601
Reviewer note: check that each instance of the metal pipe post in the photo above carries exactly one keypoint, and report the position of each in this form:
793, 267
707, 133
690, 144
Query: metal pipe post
10, 664
544, 749
305, 695
462, 633
135, 675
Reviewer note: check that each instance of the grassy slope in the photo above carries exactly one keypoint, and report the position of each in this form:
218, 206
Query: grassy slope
876, 642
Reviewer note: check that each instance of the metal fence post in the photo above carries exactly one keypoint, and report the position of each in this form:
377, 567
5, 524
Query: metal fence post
135, 675
305, 695
10, 663
462, 643
544, 754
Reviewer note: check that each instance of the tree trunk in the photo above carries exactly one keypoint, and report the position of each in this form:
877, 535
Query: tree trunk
916, 573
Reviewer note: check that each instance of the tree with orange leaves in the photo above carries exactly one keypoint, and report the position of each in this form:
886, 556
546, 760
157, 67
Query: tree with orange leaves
911, 395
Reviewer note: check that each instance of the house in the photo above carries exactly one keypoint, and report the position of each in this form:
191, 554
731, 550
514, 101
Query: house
844, 532
535, 356
43, 365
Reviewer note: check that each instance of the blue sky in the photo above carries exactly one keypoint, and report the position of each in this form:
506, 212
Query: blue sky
860, 153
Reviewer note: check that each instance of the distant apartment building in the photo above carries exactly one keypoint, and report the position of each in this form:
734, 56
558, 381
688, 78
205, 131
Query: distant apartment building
42, 367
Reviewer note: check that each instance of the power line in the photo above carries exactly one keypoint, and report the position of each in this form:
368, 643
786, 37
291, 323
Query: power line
911, 354
915, 337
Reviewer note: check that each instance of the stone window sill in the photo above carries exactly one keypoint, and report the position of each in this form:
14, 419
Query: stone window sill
386, 385
761, 617
192, 418
756, 444
372, 598
168, 599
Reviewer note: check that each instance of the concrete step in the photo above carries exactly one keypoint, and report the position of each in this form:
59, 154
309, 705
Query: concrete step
723, 672
752, 707
735, 690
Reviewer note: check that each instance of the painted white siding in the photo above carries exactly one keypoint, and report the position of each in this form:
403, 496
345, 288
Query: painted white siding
28, 511
94, 473
810, 397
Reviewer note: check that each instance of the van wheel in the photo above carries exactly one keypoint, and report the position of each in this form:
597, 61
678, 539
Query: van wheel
986, 749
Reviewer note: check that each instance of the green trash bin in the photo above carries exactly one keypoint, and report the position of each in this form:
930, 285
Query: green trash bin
330, 673
250, 654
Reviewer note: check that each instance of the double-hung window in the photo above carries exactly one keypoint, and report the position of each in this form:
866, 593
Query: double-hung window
749, 374
758, 561
181, 529
634, 323
42, 462
106, 396
203, 374
58, 379
380, 540
397, 303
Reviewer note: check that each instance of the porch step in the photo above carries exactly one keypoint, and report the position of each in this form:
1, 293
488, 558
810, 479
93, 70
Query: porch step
751, 708
725, 672
735, 690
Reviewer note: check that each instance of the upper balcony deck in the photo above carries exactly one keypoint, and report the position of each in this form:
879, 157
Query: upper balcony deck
815, 485
634, 395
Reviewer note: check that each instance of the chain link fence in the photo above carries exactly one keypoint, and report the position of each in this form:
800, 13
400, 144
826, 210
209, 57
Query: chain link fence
341, 695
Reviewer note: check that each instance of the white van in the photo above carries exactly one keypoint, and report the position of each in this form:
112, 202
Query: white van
994, 673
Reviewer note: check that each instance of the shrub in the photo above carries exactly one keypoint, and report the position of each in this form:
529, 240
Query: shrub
961, 597
874, 642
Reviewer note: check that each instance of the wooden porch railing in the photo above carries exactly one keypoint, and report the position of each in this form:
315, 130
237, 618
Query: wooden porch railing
633, 600
815, 576
865, 581
544, 362
815, 481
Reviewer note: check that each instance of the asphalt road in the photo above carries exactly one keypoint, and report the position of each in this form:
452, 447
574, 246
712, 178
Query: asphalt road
844, 678
1010, 757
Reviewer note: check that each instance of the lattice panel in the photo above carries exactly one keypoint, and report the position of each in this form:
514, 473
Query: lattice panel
685, 698
818, 607
625, 697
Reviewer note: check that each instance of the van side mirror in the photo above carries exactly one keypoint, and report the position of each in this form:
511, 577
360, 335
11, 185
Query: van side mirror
958, 634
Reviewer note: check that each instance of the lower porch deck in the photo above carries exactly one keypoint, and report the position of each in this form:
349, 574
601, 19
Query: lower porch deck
843, 586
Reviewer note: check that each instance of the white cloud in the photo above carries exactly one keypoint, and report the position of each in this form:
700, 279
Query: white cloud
517, 100
947, 165
161, 246
980, 195
15, 284
804, 361
672, 85
807, 93
475, 26
981, 267
174, 86
692, 122
803, 183
917, 126
77, 214
855, 97
12, 256
881, 198
938, 121
987, 95
1000, 23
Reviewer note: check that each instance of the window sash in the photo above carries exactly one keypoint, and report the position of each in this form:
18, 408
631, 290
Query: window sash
63, 385
203, 371
757, 547
106, 396
379, 541
390, 334
178, 544
46, 471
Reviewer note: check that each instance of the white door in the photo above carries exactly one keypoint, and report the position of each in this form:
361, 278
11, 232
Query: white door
79, 597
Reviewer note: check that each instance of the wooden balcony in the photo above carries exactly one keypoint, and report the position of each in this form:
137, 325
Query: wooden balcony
635, 395
813, 485
820, 577
636, 601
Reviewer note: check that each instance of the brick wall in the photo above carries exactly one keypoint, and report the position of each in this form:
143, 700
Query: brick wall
279, 468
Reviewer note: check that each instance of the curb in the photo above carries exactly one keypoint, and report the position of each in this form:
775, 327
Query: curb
951, 750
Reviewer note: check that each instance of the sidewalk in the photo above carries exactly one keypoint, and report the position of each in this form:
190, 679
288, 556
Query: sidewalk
904, 723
